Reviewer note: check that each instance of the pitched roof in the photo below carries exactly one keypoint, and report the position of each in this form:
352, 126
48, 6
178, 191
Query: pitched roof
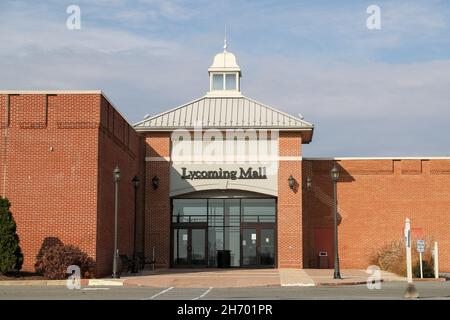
223, 113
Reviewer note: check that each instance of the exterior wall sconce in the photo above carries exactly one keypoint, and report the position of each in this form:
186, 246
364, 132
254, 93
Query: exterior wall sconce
291, 181
155, 182
136, 182
308, 183
334, 173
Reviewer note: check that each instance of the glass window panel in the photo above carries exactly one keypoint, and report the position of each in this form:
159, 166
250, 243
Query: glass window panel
198, 254
232, 243
215, 212
215, 242
189, 210
232, 212
262, 210
249, 246
267, 247
230, 81
180, 240
217, 82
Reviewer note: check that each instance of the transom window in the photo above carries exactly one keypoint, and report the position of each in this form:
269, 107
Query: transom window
212, 210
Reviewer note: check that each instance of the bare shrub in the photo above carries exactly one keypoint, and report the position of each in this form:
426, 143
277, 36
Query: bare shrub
392, 258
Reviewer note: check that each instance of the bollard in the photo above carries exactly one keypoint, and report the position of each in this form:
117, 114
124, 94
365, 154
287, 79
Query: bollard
436, 260
411, 292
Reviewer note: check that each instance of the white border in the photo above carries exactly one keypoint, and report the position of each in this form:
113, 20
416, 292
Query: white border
378, 158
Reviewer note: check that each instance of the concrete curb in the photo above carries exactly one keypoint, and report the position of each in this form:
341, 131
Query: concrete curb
344, 283
429, 280
306, 284
83, 282
124, 282
358, 282
106, 282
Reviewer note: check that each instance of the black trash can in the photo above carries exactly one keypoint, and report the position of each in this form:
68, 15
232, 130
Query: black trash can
223, 258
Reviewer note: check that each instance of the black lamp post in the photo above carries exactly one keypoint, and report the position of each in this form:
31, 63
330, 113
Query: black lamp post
335, 177
136, 183
116, 175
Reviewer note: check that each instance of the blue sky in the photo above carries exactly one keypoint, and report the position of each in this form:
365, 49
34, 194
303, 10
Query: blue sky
369, 92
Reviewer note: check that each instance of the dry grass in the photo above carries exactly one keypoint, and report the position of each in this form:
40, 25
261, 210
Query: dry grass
392, 257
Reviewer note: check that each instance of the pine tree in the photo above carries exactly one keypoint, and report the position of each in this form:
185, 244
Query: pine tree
11, 257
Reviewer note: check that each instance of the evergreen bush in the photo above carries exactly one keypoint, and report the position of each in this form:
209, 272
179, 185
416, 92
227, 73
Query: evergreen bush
11, 257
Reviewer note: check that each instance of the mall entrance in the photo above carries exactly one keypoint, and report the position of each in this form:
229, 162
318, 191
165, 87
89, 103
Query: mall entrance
214, 232
258, 246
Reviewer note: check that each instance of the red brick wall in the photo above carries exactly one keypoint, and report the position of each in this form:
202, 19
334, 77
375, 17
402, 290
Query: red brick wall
289, 218
157, 202
118, 145
50, 158
374, 198
58, 152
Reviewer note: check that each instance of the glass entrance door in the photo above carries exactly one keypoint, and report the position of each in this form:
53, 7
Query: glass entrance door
198, 247
189, 247
258, 247
249, 247
267, 247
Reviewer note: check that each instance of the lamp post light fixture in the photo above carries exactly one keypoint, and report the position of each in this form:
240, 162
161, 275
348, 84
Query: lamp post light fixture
291, 181
136, 183
308, 183
116, 174
335, 177
155, 182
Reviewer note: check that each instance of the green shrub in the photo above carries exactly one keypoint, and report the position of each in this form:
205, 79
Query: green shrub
55, 259
427, 269
11, 257
392, 257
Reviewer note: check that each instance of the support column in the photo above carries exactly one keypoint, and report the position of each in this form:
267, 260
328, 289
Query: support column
289, 218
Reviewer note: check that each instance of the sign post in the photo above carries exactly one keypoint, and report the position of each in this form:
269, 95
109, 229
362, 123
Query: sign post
436, 260
421, 249
408, 250
411, 291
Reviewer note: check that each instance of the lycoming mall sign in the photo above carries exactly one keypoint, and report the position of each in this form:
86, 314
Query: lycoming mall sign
247, 173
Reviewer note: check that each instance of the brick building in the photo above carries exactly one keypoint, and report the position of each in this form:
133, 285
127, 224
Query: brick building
221, 176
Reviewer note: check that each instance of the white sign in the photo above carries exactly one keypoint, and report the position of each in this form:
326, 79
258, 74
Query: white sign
185, 237
421, 246
253, 236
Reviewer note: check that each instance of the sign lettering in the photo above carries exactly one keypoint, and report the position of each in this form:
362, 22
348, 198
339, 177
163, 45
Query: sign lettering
248, 173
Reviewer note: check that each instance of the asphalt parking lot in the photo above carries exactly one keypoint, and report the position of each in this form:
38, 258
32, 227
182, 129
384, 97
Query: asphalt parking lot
388, 291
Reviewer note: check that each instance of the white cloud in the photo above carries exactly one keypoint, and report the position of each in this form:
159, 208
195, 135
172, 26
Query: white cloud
369, 108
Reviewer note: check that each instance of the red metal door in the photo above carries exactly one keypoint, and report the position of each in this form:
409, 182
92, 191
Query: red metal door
323, 244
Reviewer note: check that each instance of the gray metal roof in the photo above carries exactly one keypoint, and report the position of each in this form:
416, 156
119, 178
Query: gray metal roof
223, 112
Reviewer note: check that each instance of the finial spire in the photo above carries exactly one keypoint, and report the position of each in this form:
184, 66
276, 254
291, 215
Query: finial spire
225, 40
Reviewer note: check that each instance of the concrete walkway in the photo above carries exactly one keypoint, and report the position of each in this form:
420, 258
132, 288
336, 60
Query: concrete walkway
227, 278
236, 278
204, 278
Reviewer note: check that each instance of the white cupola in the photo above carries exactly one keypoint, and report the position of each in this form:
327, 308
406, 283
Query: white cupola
224, 75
